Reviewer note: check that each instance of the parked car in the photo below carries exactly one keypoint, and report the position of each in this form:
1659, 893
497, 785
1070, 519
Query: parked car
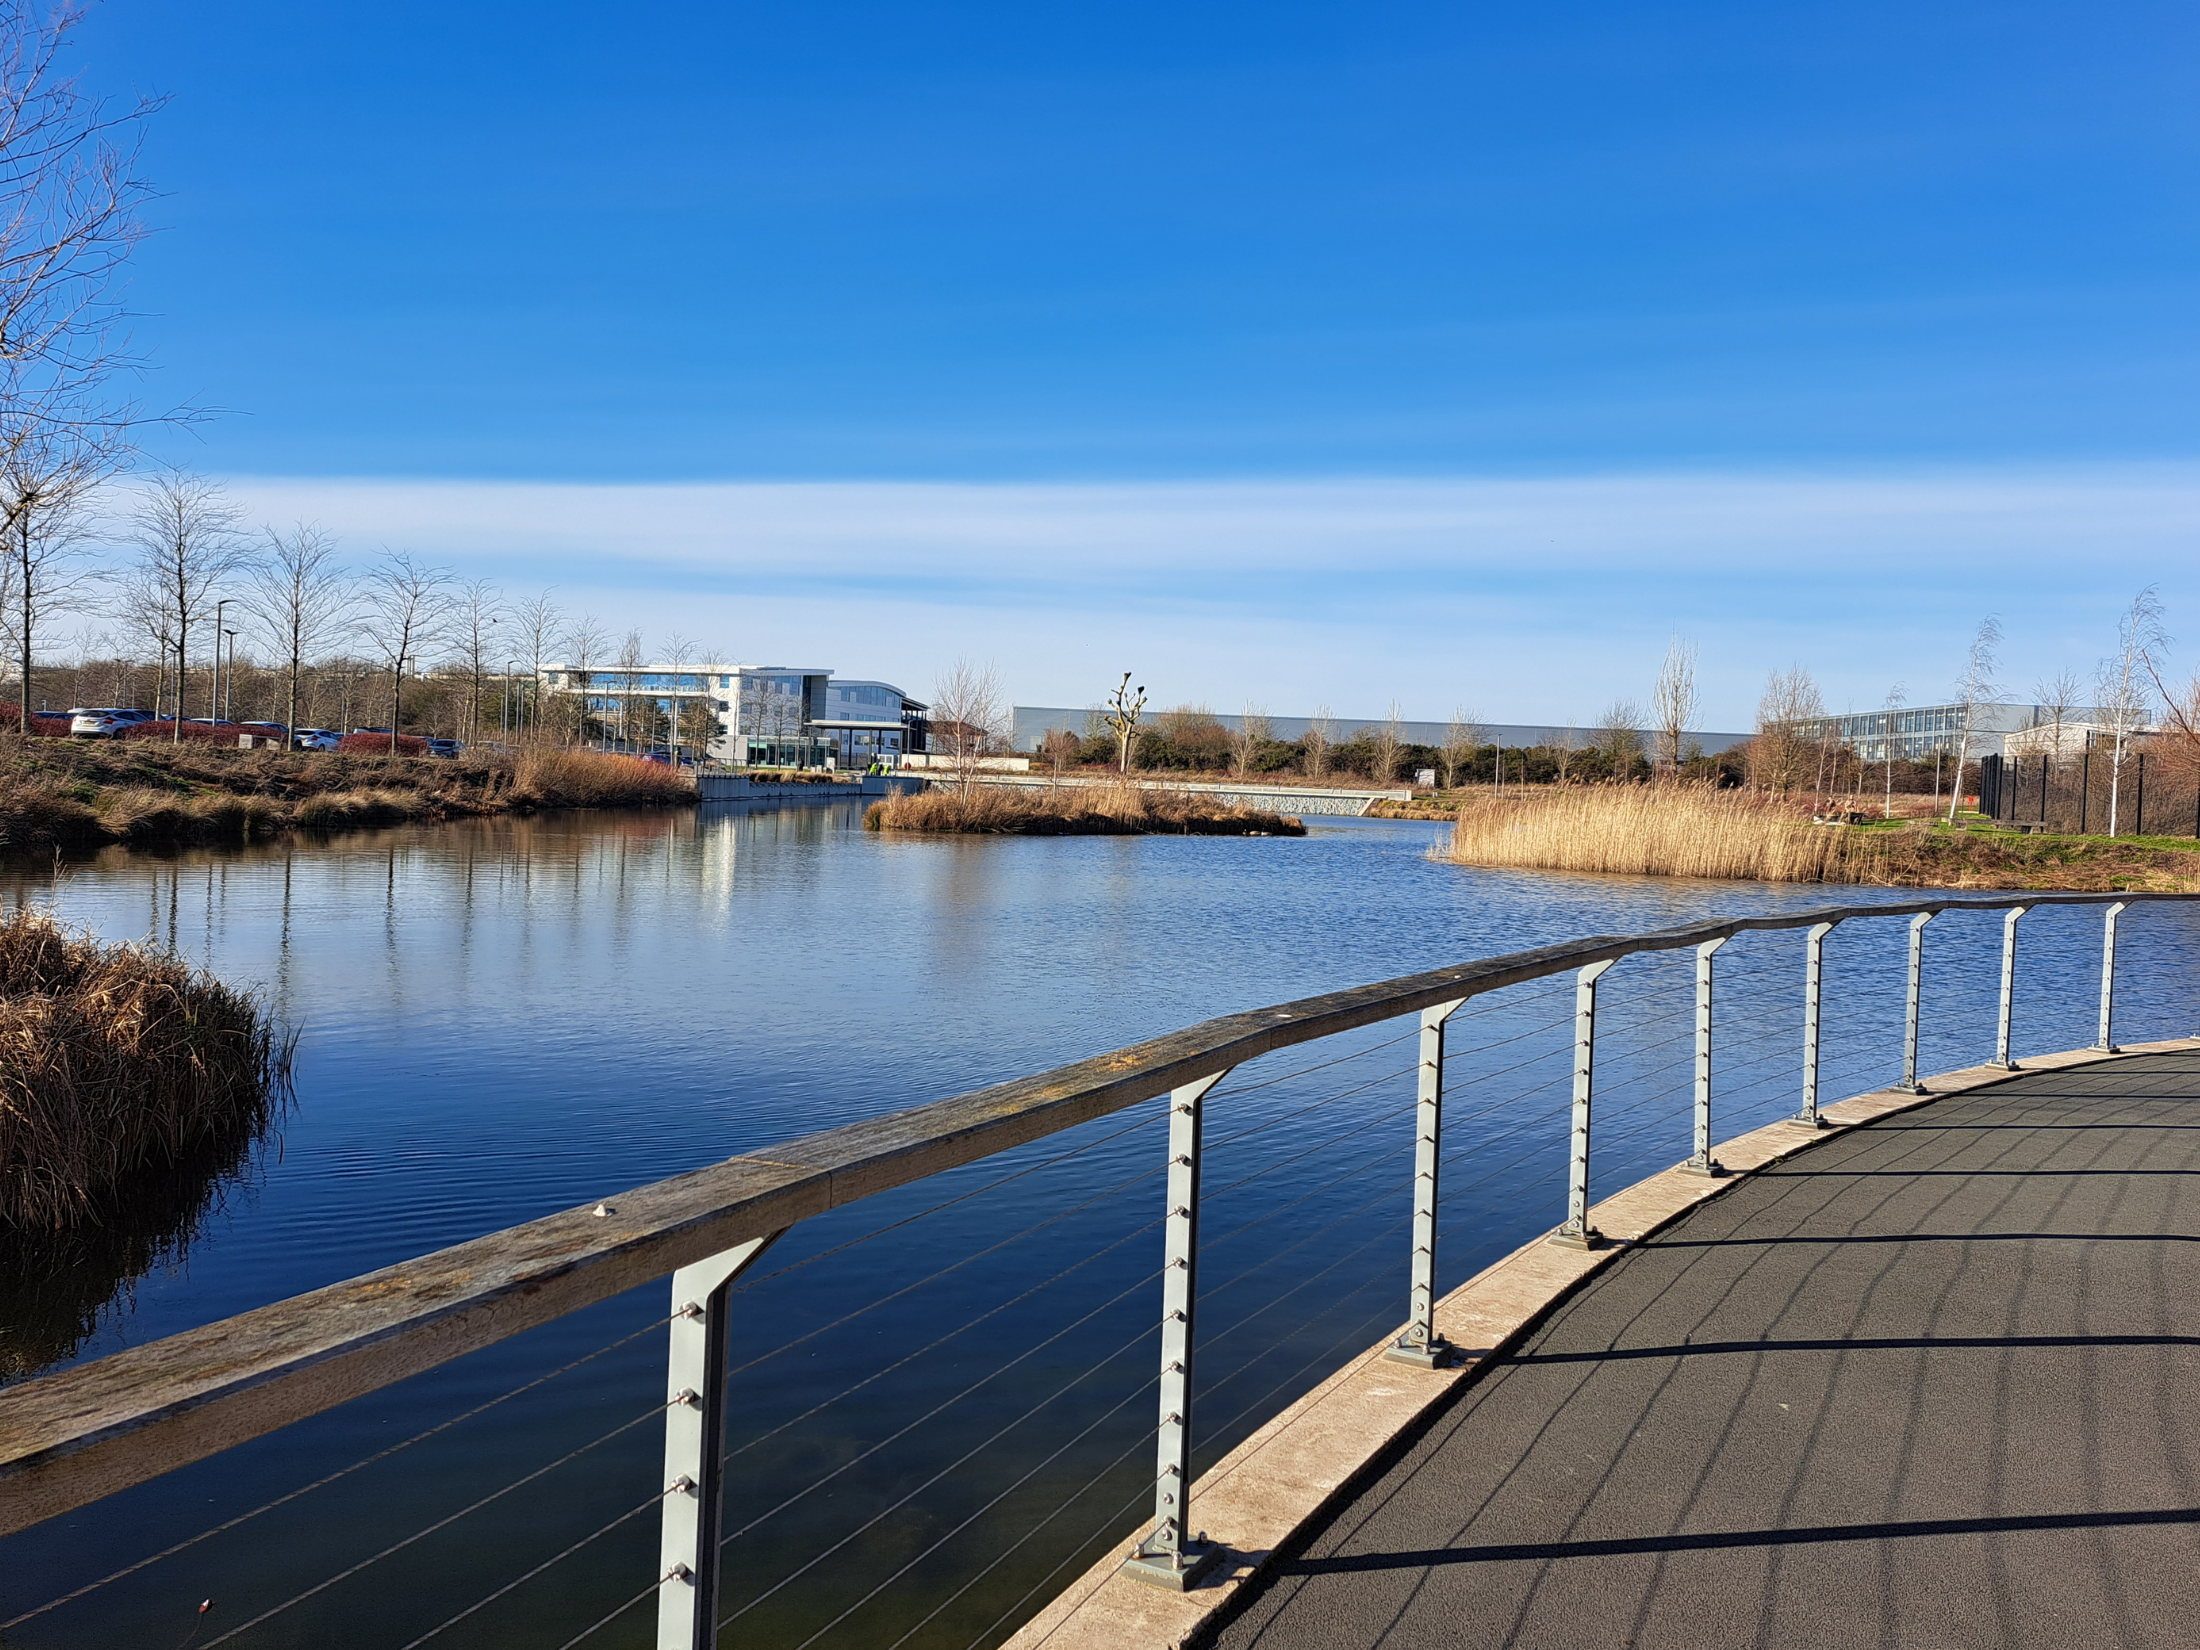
316, 739
104, 721
444, 747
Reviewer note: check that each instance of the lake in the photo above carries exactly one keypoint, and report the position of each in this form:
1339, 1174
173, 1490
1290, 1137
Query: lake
942, 1398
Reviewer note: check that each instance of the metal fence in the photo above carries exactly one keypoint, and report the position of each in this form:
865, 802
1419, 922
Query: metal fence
2147, 794
909, 1369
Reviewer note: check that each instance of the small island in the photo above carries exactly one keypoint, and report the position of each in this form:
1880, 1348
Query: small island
1125, 809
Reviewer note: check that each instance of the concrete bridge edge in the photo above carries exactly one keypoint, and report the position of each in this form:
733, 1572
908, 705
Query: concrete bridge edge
1316, 1453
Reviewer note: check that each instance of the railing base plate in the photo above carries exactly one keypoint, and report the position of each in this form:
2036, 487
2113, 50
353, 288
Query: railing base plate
1590, 1238
1179, 1572
1807, 1120
1711, 1168
1908, 1088
1436, 1355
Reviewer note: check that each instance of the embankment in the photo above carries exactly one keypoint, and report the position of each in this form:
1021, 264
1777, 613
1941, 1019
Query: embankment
58, 793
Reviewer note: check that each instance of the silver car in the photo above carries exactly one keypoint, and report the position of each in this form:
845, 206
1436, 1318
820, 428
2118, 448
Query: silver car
103, 722
316, 739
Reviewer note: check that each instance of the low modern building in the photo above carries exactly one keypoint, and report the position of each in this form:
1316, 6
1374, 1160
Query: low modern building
1918, 732
1034, 722
749, 715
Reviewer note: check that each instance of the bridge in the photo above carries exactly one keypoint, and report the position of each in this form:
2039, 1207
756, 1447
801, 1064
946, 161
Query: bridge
1907, 1365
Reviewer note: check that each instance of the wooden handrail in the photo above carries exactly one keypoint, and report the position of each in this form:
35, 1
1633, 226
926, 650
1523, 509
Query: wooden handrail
70, 1438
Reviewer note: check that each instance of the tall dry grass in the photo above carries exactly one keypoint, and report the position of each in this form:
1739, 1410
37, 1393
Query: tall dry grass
596, 779
1657, 830
116, 1061
1122, 808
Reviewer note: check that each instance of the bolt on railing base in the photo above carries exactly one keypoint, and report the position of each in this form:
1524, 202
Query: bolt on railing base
1179, 1572
1435, 1354
1807, 1120
1710, 1167
1587, 1238
2003, 1065
1908, 1088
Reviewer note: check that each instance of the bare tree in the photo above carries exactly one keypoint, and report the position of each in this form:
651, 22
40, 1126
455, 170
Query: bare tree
303, 599
70, 197
2125, 686
585, 645
1384, 739
1565, 749
1780, 752
1889, 710
2058, 697
678, 654
1464, 737
1123, 713
404, 615
475, 614
1247, 740
535, 624
185, 532
1975, 690
969, 713
1319, 740
42, 500
1617, 737
1673, 703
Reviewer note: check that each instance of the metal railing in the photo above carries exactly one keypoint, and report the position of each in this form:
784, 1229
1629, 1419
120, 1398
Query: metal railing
70, 1438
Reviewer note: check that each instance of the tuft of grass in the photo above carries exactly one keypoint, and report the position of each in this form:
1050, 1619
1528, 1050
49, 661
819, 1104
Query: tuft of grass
596, 779
1125, 808
117, 1061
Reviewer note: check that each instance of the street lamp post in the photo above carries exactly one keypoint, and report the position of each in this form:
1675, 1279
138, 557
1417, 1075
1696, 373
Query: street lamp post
214, 707
229, 689
504, 717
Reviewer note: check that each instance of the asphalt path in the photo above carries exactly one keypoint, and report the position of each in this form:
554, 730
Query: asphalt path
1934, 1383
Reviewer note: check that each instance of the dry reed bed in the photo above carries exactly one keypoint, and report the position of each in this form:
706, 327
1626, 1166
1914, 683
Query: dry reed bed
59, 795
1698, 831
117, 1061
1123, 809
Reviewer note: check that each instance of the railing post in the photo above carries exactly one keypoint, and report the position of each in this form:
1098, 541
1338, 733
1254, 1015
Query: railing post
1911, 995
695, 1449
1420, 1344
1701, 1162
1171, 1556
1577, 1233
1814, 979
2002, 1061
2107, 1044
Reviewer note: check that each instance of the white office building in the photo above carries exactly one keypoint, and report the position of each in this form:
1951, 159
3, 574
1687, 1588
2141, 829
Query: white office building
748, 715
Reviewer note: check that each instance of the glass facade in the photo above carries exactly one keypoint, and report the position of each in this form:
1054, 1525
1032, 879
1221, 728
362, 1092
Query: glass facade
761, 715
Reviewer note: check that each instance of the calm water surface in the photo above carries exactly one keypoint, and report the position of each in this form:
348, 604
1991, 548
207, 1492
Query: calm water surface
934, 1427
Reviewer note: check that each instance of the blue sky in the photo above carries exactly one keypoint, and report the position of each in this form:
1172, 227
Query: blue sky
503, 284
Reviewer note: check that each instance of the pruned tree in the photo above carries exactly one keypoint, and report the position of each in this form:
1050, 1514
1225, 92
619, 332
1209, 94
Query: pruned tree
1248, 739
678, 654
1564, 750
1384, 740
1319, 741
1464, 737
969, 713
185, 533
303, 601
1673, 703
2124, 687
629, 667
405, 611
1976, 689
1122, 717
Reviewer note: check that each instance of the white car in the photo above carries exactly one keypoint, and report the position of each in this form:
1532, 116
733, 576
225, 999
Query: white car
103, 722
316, 739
